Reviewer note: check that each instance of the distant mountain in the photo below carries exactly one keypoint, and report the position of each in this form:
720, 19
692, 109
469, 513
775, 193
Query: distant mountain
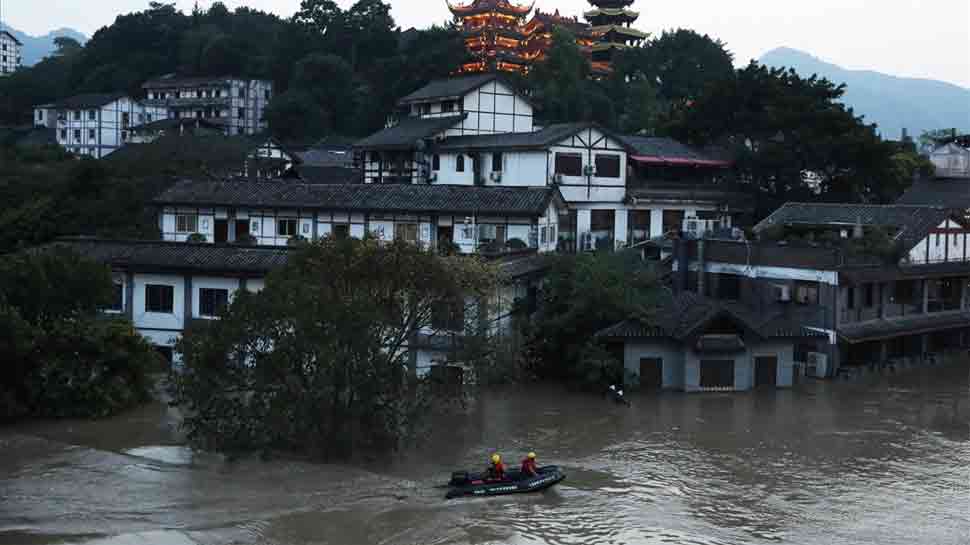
38, 47
892, 102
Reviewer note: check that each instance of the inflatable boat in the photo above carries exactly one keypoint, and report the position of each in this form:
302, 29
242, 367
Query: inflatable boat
474, 484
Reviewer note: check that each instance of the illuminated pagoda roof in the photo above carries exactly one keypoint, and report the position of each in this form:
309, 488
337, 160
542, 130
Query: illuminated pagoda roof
602, 16
619, 30
542, 19
480, 7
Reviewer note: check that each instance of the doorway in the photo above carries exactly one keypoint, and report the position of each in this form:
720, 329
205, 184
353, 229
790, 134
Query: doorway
242, 229
222, 231
717, 374
766, 371
651, 374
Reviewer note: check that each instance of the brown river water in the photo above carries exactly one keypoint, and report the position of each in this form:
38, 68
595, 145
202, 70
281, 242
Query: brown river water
882, 460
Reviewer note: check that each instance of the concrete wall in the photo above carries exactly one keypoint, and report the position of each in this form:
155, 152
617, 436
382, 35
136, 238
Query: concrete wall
681, 364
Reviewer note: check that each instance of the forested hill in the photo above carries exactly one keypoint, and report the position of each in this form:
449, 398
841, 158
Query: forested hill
347, 66
891, 102
38, 47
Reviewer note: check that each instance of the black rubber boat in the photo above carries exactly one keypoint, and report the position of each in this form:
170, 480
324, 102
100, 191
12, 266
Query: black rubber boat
474, 484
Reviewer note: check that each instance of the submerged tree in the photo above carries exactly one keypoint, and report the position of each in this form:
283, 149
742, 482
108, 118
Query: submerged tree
318, 361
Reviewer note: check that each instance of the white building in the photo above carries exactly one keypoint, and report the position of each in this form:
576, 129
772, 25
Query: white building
236, 104
621, 190
164, 287
10, 53
472, 219
95, 125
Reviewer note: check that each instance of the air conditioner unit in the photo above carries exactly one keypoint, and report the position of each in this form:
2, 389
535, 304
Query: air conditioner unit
817, 365
781, 293
589, 170
557, 178
497, 177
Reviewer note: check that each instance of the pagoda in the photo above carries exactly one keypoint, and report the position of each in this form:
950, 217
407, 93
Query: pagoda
493, 35
610, 25
538, 34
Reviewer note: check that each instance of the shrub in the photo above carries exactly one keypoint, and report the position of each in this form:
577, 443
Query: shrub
196, 238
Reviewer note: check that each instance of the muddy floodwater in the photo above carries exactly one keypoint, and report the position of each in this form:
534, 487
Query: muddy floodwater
882, 460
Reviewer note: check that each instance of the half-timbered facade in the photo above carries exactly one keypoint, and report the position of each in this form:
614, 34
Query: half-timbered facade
236, 104
10, 53
482, 219
96, 125
885, 284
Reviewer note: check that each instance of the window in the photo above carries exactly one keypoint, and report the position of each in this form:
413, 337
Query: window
91, 134
241, 113
159, 299
92, 115
117, 297
77, 135
148, 118
850, 298
806, 293
448, 106
488, 234
717, 374
425, 109
436, 162
448, 316
608, 166
460, 163
341, 231
497, 162
242, 92
77, 115
937, 240
639, 223
63, 134
729, 287
286, 228
40, 115
569, 164
187, 223
266, 94
408, 232
869, 295
212, 301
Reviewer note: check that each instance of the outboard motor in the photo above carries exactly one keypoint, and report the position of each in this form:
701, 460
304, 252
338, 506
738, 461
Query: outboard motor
459, 478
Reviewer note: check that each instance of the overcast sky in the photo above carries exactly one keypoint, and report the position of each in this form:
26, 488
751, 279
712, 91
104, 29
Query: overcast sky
917, 38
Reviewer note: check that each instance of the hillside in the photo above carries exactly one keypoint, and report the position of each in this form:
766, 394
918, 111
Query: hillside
889, 101
38, 47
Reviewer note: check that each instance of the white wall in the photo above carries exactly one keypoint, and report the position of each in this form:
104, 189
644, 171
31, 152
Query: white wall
10, 55
144, 320
204, 282
948, 244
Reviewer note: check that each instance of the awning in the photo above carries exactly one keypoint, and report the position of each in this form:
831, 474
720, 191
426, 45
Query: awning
682, 161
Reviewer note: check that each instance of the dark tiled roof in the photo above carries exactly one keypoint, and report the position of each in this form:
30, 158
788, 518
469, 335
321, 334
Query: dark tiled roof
512, 201
520, 266
546, 137
909, 325
328, 174
327, 156
90, 100
947, 193
406, 134
158, 255
449, 88
12, 37
912, 222
862, 275
683, 315
173, 80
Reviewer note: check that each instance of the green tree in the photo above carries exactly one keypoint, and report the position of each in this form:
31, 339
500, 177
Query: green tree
682, 63
317, 361
295, 116
329, 80
583, 294
563, 88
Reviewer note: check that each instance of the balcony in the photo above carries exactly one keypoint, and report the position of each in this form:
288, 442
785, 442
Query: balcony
185, 102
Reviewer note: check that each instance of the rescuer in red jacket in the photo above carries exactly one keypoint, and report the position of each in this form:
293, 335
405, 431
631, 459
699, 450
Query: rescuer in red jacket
529, 468
496, 471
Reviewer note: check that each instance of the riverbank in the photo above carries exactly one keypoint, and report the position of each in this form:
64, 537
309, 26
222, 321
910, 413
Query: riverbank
877, 460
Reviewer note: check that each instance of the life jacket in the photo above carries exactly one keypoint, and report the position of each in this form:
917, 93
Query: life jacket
529, 466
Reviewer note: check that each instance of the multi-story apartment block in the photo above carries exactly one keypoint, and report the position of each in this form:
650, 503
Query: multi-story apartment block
10, 48
621, 190
95, 125
236, 104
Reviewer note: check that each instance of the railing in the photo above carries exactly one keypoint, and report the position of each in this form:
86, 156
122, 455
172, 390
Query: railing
194, 101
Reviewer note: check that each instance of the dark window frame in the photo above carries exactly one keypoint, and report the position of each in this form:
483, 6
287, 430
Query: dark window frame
436, 162
460, 163
117, 297
608, 165
213, 301
566, 164
159, 298
280, 222
497, 160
